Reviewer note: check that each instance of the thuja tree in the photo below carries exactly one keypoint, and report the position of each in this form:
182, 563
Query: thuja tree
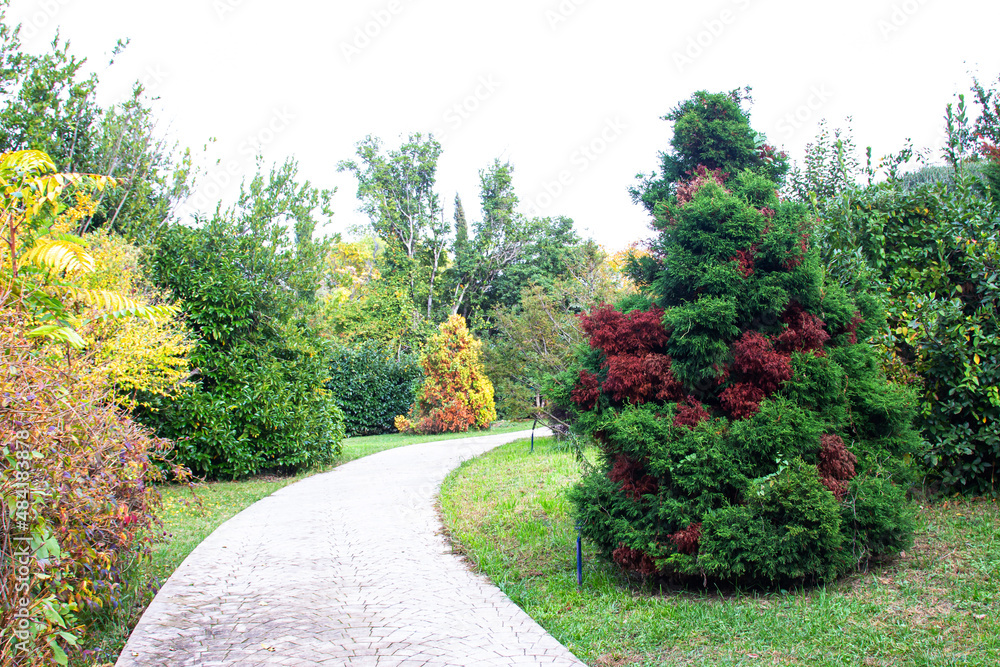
746, 430
456, 393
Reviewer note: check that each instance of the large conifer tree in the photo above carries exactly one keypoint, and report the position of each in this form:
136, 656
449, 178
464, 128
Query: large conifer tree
747, 431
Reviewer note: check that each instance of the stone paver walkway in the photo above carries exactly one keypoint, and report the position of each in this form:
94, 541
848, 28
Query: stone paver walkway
344, 568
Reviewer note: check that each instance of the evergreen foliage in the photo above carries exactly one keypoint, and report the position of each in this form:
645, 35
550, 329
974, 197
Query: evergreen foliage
259, 399
926, 243
933, 252
371, 386
456, 393
740, 409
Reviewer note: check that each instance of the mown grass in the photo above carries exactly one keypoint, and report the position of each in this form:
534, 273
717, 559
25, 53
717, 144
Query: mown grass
937, 605
191, 513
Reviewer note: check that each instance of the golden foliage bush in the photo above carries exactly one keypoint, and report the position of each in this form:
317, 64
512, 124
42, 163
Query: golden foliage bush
456, 393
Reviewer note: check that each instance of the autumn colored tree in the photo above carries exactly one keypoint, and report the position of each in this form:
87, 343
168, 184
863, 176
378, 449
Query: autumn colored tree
76, 472
747, 432
456, 393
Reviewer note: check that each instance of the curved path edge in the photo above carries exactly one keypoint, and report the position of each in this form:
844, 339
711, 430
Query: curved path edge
347, 567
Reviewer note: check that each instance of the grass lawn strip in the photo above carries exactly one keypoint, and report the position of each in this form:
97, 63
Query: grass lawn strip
939, 604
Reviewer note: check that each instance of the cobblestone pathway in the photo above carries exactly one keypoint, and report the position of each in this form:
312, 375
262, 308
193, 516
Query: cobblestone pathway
344, 568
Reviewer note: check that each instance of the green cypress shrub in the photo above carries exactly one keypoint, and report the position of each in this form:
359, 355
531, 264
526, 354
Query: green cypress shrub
747, 432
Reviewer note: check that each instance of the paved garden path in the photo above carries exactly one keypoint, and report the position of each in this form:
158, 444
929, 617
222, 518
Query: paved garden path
344, 568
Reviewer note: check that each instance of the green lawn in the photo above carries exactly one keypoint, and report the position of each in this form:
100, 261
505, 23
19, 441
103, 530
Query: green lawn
191, 514
936, 605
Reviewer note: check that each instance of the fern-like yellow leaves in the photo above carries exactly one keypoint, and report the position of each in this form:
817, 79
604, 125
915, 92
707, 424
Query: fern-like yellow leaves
30, 183
29, 186
60, 256
112, 303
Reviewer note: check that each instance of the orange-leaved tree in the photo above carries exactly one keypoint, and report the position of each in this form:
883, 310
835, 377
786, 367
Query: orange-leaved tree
456, 393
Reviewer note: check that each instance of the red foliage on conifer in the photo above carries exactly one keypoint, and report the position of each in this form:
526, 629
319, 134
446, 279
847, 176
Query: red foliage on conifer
613, 332
746, 258
852, 328
641, 378
687, 539
632, 477
795, 258
741, 400
633, 344
805, 331
690, 413
760, 372
686, 190
760, 365
586, 390
669, 388
836, 465
633, 560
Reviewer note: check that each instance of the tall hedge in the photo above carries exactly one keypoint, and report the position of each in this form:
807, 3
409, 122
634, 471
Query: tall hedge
747, 432
933, 251
371, 386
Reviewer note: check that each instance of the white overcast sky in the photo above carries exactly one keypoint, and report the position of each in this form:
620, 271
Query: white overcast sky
570, 91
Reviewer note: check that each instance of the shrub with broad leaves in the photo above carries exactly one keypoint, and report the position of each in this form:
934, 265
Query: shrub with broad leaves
76, 475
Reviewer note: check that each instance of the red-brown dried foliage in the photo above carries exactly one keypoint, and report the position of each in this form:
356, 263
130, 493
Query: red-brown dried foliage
836, 465
746, 258
759, 363
613, 332
761, 371
637, 369
687, 540
633, 560
686, 190
741, 400
805, 331
632, 477
586, 390
690, 413
641, 378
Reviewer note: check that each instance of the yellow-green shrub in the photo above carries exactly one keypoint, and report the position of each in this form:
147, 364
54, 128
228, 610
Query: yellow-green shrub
456, 393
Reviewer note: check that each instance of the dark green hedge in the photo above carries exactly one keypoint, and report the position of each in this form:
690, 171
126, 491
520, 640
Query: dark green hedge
371, 386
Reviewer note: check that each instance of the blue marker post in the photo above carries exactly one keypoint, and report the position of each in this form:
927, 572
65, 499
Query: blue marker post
579, 554
533, 435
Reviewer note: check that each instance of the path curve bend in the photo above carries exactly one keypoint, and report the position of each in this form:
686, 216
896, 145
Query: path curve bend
347, 567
